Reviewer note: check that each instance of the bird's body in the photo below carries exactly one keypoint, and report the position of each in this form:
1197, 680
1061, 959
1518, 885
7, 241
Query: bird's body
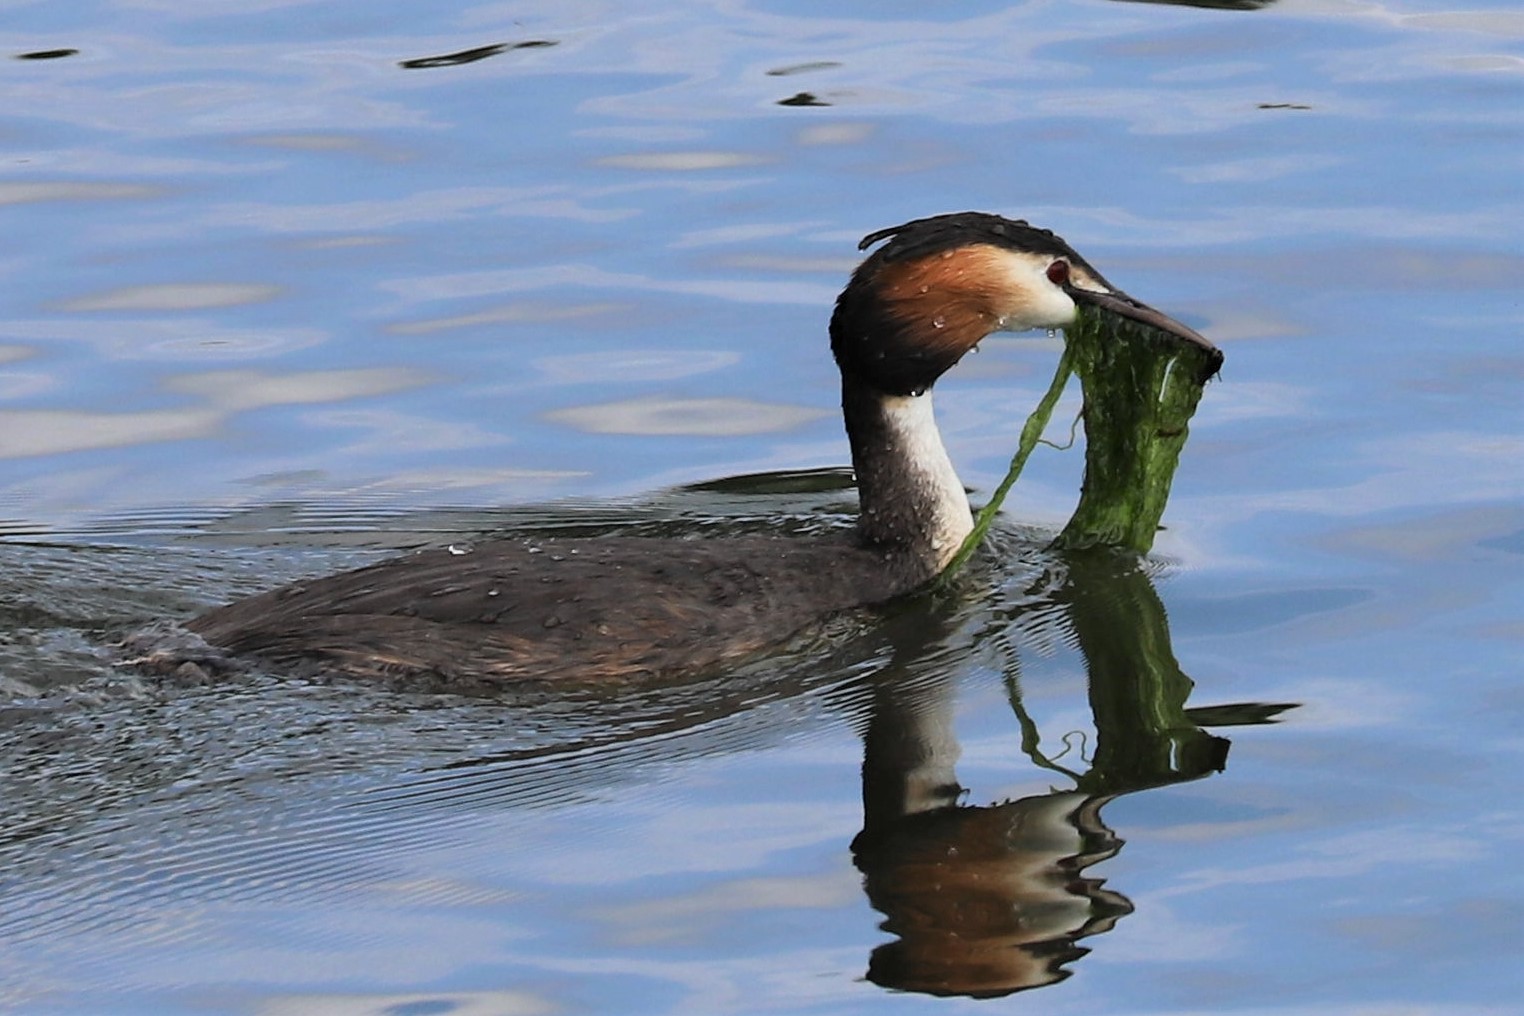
510, 610
587, 609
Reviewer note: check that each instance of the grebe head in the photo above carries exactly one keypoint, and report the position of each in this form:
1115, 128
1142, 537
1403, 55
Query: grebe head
941, 284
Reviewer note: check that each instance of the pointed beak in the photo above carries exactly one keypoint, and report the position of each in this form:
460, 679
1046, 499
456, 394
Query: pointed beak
1120, 304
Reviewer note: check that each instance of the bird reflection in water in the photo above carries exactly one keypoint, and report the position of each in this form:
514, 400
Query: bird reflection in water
986, 901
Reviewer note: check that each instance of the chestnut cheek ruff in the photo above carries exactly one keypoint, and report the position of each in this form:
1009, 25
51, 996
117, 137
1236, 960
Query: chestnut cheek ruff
900, 325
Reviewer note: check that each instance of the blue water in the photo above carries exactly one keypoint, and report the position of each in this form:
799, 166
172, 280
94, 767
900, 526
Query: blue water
275, 305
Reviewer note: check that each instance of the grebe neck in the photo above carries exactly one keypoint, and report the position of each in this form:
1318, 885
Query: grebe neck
910, 498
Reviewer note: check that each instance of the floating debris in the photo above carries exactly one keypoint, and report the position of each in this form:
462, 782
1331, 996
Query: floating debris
803, 68
466, 56
803, 99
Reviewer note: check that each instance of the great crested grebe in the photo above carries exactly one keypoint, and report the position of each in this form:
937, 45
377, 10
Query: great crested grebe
507, 610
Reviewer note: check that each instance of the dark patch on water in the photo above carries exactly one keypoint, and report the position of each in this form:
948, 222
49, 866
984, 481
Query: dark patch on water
47, 54
803, 99
467, 56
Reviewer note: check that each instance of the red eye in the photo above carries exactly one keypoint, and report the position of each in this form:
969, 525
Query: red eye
1058, 273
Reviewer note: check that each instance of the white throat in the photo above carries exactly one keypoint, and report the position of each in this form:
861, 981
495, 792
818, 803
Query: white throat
928, 473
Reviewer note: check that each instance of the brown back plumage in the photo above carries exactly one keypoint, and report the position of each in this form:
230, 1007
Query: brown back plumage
512, 610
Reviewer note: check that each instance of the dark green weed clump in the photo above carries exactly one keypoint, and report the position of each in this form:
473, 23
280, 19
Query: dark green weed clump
1141, 386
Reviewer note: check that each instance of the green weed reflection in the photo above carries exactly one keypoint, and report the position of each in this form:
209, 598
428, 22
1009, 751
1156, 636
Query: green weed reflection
989, 900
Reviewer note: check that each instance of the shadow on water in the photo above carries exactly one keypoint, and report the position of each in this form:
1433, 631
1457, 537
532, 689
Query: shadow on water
269, 790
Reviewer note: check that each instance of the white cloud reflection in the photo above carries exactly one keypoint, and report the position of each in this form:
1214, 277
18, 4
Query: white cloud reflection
28, 432
175, 339
628, 365
693, 916
453, 1003
429, 206
34, 191
389, 432
511, 314
173, 296
243, 389
517, 280
713, 417
681, 162
34, 432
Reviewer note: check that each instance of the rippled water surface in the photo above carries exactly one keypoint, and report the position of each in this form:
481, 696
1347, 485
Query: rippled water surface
292, 285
